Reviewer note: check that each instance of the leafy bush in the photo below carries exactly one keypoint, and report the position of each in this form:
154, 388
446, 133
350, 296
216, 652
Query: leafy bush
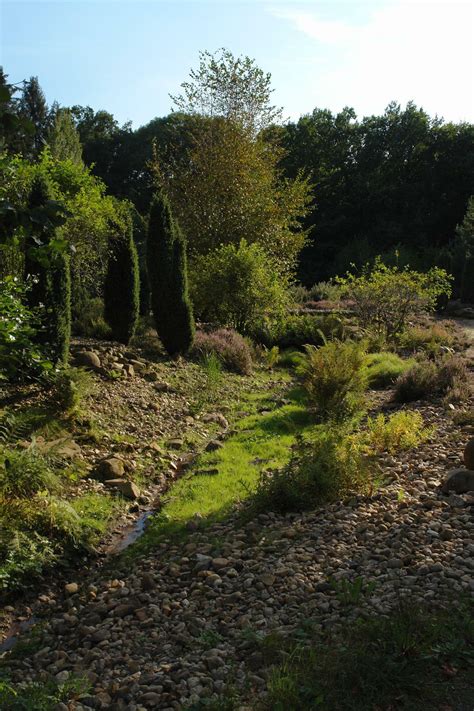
385, 298
229, 346
90, 321
20, 356
384, 368
334, 377
328, 468
25, 472
298, 330
237, 286
23, 556
43, 696
448, 376
402, 430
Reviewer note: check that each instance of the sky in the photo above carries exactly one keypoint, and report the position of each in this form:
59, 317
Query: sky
127, 56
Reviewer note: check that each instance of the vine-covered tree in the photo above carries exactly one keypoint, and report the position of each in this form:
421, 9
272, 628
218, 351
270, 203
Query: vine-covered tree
167, 274
122, 287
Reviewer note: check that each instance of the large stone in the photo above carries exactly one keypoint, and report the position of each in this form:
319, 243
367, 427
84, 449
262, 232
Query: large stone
469, 454
213, 445
124, 486
459, 480
87, 359
109, 468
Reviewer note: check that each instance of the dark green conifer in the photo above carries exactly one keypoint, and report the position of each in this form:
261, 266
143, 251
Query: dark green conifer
47, 274
167, 274
122, 287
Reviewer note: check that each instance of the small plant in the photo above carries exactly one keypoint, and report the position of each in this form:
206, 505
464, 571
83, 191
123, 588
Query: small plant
25, 472
328, 468
298, 330
402, 430
89, 320
384, 368
228, 346
448, 377
40, 696
70, 386
271, 356
334, 378
352, 592
210, 638
429, 339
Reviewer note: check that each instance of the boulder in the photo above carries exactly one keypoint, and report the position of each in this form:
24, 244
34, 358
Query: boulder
459, 480
125, 487
469, 454
87, 359
216, 417
109, 468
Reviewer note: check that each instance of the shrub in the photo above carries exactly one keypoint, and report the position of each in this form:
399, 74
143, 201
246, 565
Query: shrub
402, 430
69, 387
385, 298
334, 377
417, 382
298, 330
23, 556
384, 368
237, 286
90, 321
427, 338
20, 356
58, 308
328, 468
25, 472
229, 346
167, 273
448, 376
121, 287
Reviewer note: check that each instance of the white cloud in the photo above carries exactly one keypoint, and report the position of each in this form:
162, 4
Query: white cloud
412, 49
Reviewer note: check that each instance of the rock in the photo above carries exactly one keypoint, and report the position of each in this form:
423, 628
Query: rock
175, 443
129, 370
217, 418
213, 445
163, 387
267, 579
71, 588
63, 448
138, 365
219, 563
124, 486
151, 376
469, 454
87, 359
459, 480
109, 468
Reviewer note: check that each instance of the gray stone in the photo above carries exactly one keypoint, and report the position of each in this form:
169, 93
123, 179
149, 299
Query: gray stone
459, 480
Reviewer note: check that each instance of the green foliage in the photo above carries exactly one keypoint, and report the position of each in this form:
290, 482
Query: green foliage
448, 376
402, 430
384, 368
352, 592
298, 330
58, 308
463, 249
70, 386
335, 379
384, 298
89, 320
63, 138
41, 696
167, 271
228, 346
236, 286
429, 339
122, 288
23, 556
24, 473
20, 356
376, 663
329, 467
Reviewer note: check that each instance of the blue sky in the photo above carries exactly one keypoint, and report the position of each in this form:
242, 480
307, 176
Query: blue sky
126, 56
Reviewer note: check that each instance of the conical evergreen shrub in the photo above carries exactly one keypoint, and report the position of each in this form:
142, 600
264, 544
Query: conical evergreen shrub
122, 287
167, 274
48, 275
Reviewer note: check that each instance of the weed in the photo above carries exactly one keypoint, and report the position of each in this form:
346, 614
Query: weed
377, 663
402, 430
23, 473
210, 639
352, 592
70, 386
40, 696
